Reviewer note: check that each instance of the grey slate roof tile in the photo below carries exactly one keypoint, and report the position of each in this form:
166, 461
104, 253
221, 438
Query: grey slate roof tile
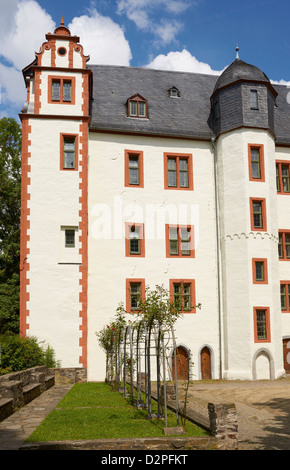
185, 117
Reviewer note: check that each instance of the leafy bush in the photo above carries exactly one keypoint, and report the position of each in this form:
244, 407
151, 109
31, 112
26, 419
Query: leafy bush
22, 353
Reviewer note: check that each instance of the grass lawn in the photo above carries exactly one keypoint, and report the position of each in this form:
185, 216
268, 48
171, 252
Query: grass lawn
95, 411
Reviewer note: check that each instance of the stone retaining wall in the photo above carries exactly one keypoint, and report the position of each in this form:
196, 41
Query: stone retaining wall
19, 388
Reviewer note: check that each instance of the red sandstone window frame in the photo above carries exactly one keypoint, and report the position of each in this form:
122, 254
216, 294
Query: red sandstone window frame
76, 151
128, 251
129, 283
181, 282
177, 157
260, 148
190, 229
283, 245
279, 177
265, 270
267, 338
139, 155
262, 201
287, 296
62, 79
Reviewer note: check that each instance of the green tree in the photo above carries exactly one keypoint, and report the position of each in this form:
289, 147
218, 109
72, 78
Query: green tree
10, 197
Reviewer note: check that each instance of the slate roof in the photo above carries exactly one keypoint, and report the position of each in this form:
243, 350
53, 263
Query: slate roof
240, 70
186, 116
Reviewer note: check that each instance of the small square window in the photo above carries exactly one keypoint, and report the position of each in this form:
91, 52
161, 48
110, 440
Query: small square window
61, 90
180, 241
137, 107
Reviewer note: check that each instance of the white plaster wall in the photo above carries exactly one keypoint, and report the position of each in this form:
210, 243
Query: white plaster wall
283, 202
111, 204
54, 287
58, 108
240, 245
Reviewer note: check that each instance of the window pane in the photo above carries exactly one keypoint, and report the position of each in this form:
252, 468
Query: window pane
134, 240
257, 213
261, 324
70, 238
56, 90
173, 240
177, 295
67, 91
255, 162
172, 172
135, 294
254, 99
259, 271
133, 108
280, 246
186, 297
285, 178
69, 153
133, 170
183, 170
283, 296
142, 109
277, 178
185, 241
287, 245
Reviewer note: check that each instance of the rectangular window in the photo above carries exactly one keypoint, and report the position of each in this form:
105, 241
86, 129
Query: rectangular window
135, 292
262, 324
180, 241
258, 214
254, 99
283, 177
256, 162
68, 152
260, 271
134, 238
134, 169
182, 293
178, 171
285, 296
70, 238
61, 90
284, 245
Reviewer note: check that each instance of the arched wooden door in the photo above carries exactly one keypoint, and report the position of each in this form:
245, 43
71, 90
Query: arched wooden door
182, 364
205, 364
286, 355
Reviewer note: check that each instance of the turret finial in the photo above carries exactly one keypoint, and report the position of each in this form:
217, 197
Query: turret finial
61, 21
237, 52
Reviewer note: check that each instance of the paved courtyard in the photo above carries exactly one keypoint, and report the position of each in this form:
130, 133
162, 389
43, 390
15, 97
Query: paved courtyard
263, 409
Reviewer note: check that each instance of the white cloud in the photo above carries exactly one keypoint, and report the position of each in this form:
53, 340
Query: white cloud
12, 88
28, 24
103, 40
182, 62
141, 12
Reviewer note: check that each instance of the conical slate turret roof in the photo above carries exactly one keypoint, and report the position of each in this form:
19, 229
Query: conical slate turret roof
241, 71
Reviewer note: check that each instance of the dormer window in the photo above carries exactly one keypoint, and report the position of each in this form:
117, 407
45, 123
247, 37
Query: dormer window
174, 92
137, 107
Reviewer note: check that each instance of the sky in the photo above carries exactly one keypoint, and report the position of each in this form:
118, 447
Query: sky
184, 35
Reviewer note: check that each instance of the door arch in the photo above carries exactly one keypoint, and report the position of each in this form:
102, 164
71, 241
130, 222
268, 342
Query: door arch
205, 363
182, 363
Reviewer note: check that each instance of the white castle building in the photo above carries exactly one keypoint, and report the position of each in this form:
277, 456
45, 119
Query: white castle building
134, 177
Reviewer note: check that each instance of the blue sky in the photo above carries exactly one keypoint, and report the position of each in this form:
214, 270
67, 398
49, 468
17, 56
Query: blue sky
187, 35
